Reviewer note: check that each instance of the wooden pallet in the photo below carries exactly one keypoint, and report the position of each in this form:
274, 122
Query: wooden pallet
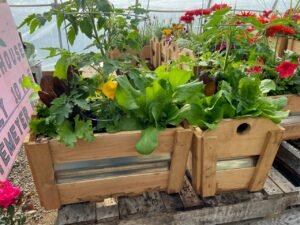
288, 160
159, 208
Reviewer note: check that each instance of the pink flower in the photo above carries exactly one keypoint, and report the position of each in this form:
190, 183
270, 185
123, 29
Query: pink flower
198, 12
8, 194
286, 69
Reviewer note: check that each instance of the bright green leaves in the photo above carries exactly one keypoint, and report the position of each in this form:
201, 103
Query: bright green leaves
66, 133
86, 26
126, 95
267, 85
28, 83
148, 141
84, 129
60, 109
69, 133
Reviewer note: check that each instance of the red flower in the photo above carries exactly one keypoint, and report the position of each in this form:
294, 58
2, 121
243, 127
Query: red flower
263, 19
8, 194
219, 6
254, 69
296, 17
286, 69
279, 29
198, 12
246, 14
187, 18
239, 22
267, 13
250, 29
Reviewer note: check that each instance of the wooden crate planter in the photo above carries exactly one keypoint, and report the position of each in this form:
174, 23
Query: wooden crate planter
294, 45
235, 139
46, 156
292, 123
155, 52
281, 45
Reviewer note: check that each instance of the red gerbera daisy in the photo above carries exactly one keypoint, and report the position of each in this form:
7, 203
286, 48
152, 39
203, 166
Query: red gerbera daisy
267, 13
187, 18
279, 29
219, 6
286, 69
246, 14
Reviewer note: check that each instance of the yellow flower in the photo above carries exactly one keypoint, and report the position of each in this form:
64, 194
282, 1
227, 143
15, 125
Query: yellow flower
167, 32
109, 88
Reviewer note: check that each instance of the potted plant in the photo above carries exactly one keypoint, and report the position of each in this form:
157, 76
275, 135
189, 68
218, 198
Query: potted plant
235, 141
116, 120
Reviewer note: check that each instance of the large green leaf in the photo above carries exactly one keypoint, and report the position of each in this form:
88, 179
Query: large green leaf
148, 141
267, 85
86, 27
126, 95
66, 133
179, 77
190, 92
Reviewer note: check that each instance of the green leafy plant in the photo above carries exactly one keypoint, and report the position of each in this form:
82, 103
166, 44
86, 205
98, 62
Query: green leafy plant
98, 20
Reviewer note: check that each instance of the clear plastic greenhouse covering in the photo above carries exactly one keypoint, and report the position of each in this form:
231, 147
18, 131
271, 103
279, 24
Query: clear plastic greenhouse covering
165, 11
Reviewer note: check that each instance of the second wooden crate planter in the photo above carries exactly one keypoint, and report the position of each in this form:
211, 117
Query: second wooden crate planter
235, 156
109, 166
294, 45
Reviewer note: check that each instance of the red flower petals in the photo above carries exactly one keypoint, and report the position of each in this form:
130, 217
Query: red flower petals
219, 6
279, 29
246, 14
8, 194
286, 69
187, 18
255, 69
198, 12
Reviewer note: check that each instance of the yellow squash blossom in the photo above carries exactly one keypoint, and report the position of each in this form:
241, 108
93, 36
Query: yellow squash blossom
167, 32
109, 88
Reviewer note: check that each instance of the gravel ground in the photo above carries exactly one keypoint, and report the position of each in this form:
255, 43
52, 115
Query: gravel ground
21, 176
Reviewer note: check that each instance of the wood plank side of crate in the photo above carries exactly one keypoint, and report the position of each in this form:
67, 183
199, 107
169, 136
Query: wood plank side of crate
119, 144
182, 143
294, 45
39, 158
266, 159
236, 179
251, 142
196, 168
95, 190
292, 127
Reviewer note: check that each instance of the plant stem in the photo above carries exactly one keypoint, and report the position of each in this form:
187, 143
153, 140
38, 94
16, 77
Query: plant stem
276, 45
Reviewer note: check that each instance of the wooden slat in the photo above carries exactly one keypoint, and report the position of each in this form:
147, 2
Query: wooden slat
292, 127
282, 182
39, 158
294, 45
182, 143
271, 189
232, 144
188, 196
107, 210
145, 52
83, 213
218, 215
266, 159
197, 161
146, 204
209, 159
95, 190
237, 179
106, 146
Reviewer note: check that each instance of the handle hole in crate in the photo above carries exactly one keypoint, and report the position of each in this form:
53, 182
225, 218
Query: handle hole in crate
243, 128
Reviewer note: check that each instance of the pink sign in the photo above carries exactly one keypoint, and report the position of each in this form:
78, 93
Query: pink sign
15, 108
